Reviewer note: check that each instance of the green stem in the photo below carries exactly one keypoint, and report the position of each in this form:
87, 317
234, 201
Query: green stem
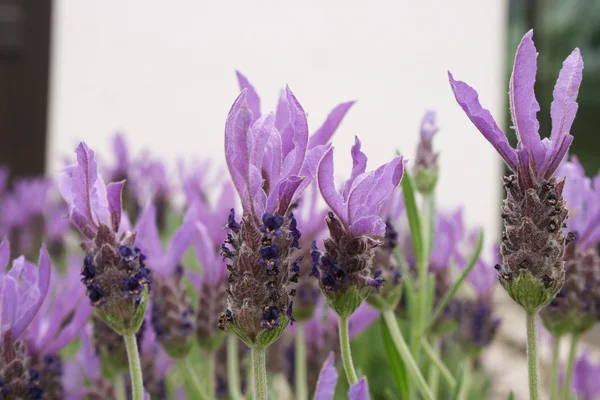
433, 379
554, 390
438, 363
346, 352
570, 367
259, 372
423, 259
135, 368
233, 368
192, 378
532, 360
300, 364
119, 387
465, 386
211, 374
403, 350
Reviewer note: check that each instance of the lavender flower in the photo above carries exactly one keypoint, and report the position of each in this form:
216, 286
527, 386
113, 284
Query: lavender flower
345, 271
576, 307
113, 269
585, 379
59, 322
426, 163
327, 382
171, 311
534, 211
22, 292
212, 285
268, 178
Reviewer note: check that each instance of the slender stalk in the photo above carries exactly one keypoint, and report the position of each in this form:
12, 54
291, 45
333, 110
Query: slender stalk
300, 364
135, 368
192, 378
433, 377
211, 374
233, 368
403, 350
423, 259
532, 360
119, 387
346, 352
570, 367
554, 390
259, 372
438, 363
463, 393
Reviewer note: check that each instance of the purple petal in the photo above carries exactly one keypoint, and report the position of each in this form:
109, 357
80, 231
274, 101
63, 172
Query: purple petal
327, 381
122, 154
114, 193
309, 169
251, 95
41, 289
362, 318
8, 304
287, 139
369, 225
326, 131
282, 114
4, 254
287, 191
327, 187
359, 166
468, 99
147, 236
523, 105
83, 312
205, 251
359, 391
261, 131
178, 245
564, 106
237, 131
89, 191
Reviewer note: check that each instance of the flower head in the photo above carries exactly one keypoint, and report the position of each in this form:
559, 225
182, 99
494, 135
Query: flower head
534, 211
113, 269
576, 307
426, 163
345, 271
268, 179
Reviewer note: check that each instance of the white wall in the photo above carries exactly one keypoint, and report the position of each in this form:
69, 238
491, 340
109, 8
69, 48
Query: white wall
164, 73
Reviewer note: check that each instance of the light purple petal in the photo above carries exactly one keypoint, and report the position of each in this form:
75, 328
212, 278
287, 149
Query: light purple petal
147, 237
325, 179
82, 223
362, 318
282, 114
205, 251
523, 105
41, 289
468, 99
8, 304
287, 191
369, 225
428, 126
121, 153
359, 166
89, 191
83, 312
114, 193
327, 381
178, 245
261, 131
326, 131
251, 96
237, 131
564, 106
4, 254
359, 391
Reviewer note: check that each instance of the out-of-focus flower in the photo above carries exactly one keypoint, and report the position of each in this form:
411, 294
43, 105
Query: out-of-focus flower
113, 269
576, 307
533, 242
585, 379
327, 382
426, 164
268, 180
172, 312
345, 271
59, 321
23, 289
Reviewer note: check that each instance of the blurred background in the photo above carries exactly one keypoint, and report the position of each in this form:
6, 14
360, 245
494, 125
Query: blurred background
163, 73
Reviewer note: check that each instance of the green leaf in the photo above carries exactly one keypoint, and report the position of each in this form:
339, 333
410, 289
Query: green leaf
511, 395
396, 364
452, 291
412, 212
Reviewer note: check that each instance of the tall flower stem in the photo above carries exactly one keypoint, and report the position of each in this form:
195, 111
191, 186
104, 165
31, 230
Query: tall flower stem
119, 387
211, 373
346, 352
403, 350
300, 364
437, 363
427, 214
233, 367
555, 364
532, 360
433, 377
259, 372
192, 379
570, 367
135, 368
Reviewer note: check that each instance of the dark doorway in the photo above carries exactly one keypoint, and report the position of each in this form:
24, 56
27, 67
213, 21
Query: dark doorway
24, 74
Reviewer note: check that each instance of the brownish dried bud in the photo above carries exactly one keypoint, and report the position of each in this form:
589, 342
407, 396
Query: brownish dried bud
16, 378
212, 301
533, 242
